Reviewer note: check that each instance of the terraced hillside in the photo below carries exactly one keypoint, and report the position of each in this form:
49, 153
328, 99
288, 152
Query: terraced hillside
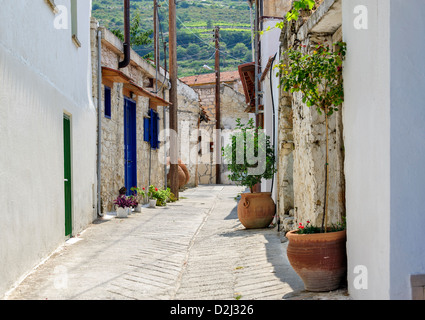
196, 20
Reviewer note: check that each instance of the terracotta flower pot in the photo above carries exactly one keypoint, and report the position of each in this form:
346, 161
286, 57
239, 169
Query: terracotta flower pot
256, 210
183, 175
186, 172
319, 259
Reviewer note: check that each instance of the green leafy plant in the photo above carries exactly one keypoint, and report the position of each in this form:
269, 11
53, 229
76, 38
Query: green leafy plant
310, 229
250, 156
138, 37
318, 76
297, 6
161, 195
138, 193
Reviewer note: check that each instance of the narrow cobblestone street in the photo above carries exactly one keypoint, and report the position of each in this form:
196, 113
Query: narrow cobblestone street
194, 249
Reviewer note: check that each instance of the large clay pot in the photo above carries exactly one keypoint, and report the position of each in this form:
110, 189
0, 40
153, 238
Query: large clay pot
183, 174
319, 259
182, 177
256, 210
186, 172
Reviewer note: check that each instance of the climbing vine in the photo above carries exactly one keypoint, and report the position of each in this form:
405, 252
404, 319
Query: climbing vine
297, 7
318, 76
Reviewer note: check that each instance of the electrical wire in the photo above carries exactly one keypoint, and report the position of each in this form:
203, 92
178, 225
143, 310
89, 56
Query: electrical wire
210, 45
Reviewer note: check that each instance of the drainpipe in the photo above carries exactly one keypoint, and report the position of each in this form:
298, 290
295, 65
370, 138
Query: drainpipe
274, 114
274, 134
127, 47
99, 120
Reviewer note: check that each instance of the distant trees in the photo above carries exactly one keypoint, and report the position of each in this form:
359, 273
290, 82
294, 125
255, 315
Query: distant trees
138, 37
195, 24
239, 50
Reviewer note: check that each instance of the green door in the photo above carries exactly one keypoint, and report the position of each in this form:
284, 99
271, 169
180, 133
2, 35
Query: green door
67, 174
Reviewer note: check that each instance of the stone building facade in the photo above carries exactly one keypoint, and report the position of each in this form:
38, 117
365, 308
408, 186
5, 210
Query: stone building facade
302, 138
135, 83
233, 106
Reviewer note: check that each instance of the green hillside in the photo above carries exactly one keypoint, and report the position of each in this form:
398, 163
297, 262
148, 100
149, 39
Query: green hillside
196, 20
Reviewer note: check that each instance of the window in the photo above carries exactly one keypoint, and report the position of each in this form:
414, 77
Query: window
74, 23
151, 129
108, 112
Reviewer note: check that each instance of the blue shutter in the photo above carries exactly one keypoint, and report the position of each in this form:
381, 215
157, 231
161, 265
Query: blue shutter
155, 131
146, 129
108, 113
151, 127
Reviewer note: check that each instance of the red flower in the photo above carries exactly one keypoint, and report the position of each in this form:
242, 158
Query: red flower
301, 227
308, 221
143, 189
156, 189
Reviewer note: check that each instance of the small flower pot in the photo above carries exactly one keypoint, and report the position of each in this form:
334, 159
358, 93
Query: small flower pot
122, 212
152, 203
138, 208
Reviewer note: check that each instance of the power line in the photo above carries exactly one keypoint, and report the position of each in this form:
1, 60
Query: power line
228, 54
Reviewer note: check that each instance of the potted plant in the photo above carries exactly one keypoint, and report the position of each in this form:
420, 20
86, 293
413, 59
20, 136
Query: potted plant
250, 158
123, 205
139, 196
157, 197
317, 253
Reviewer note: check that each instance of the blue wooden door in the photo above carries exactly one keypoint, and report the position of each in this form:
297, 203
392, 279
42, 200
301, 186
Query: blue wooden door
130, 144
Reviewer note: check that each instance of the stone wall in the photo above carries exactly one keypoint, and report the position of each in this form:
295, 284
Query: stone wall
232, 107
151, 164
302, 138
188, 117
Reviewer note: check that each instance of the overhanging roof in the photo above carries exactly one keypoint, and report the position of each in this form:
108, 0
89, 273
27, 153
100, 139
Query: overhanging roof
247, 74
119, 77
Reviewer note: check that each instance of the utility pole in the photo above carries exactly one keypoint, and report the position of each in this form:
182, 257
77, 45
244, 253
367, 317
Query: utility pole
217, 105
155, 41
252, 30
257, 54
174, 166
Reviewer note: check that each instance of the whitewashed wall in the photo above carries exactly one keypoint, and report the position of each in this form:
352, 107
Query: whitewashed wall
384, 142
42, 76
270, 46
407, 235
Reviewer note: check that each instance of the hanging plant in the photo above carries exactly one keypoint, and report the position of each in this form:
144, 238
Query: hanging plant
318, 76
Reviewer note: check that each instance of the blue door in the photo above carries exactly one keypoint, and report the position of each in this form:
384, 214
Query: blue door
130, 144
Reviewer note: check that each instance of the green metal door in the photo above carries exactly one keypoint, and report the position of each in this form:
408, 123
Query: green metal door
67, 174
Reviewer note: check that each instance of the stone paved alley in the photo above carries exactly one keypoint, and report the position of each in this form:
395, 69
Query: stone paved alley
194, 249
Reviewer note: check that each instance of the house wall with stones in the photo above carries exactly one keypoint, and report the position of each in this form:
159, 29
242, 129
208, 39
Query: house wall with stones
152, 166
232, 107
188, 119
302, 138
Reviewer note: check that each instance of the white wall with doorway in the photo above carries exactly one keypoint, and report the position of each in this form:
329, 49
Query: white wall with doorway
44, 74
